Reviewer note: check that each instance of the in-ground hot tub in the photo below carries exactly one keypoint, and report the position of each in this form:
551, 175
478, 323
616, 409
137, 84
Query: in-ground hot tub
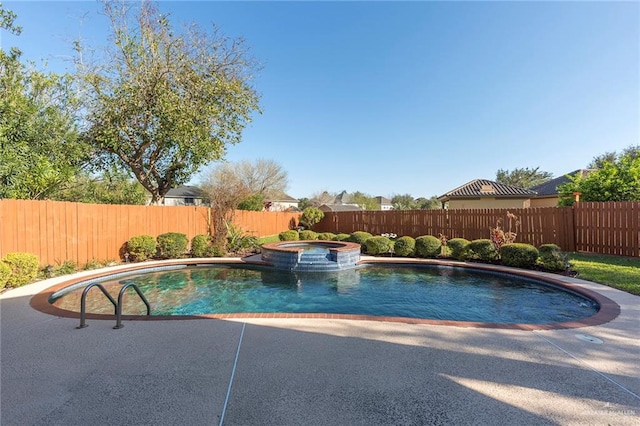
311, 255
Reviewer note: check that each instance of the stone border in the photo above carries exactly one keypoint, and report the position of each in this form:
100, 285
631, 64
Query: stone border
608, 311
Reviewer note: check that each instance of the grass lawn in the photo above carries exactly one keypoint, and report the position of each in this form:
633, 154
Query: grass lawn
618, 272
268, 239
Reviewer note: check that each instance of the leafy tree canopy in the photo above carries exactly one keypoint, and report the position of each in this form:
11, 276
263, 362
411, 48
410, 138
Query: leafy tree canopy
165, 102
616, 179
523, 178
404, 202
111, 187
428, 203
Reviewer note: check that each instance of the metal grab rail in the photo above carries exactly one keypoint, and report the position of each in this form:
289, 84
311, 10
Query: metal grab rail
83, 303
119, 305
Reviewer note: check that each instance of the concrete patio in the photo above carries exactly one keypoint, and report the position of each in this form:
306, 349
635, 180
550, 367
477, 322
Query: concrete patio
313, 371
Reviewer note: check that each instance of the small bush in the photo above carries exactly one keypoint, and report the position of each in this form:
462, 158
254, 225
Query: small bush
308, 235
310, 216
290, 235
5, 273
141, 247
65, 268
519, 255
326, 236
341, 237
427, 246
458, 246
172, 245
404, 246
23, 266
552, 258
379, 245
202, 246
359, 237
239, 241
482, 249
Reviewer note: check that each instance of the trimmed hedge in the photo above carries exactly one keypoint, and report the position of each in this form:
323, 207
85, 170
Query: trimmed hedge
308, 235
5, 273
378, 245
404, 246
290, 235
341, 237
359, 237
519, 255
142, 247
482, 249
326, 236
23, 267
552, 258
427, 246
458, 247
172, 245
202, 246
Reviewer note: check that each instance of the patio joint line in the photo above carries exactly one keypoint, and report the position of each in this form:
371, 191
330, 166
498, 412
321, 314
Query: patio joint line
590, 367
233, 373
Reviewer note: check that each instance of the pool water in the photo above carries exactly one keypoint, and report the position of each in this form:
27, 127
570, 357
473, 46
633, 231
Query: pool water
433, 292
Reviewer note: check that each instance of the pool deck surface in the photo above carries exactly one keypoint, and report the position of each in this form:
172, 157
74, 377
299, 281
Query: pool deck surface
302, 371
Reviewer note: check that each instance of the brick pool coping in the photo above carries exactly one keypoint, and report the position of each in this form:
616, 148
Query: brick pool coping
608, 311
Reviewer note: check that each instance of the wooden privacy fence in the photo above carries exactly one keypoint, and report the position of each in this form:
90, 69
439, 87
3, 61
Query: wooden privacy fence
604, 228
60, 231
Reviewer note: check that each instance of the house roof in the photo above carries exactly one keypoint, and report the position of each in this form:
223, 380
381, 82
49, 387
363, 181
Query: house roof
551, 187
486, 188
340, 207
283, 198
185, 192
382, 200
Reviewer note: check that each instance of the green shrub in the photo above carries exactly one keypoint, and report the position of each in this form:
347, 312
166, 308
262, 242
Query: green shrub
427, 246
326, 236
482, 249
201, 246
378, 245
359, 237
5, 273
519, 255
308, 235
238, 240
341, 237
65, 268
141, 247
310, 216
458, 246
404, 246
172, 245
23, 266
552, 258
290, 235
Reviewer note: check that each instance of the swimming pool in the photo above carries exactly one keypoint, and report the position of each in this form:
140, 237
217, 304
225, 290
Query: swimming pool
401, 291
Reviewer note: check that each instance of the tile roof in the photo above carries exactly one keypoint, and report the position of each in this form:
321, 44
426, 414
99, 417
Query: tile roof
551, 187
483, 187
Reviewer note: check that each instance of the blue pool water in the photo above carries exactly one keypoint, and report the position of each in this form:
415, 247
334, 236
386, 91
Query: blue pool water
432, 292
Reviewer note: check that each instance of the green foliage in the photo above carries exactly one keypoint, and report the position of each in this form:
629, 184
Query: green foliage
290, 235
5, 274
552, 258
617, 180
341, 237
238, 240
482, 249
365, 201
65, 268
428, 203
200, 245
167, 101
95, 264
378, 245
359, 237
404, 202
311, 216
618, 272
404, 246
457, 247
427, 246
111, 187
172, 245
326, 236
523, 178
519, 255
141, 247
253, 202
23, 266
308, 235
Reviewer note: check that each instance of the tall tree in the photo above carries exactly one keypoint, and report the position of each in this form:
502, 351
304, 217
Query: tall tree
365, 201
523, 178
617, 180
110, 187
165, 102
39, 146
404, 202
612, 156
262, 177
428, 203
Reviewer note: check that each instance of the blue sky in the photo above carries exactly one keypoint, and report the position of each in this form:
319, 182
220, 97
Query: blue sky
408, 97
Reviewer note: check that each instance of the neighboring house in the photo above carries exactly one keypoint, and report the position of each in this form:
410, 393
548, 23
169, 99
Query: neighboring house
184, 196
340, 208
486, 194
384, 203
547, 193
283, 203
